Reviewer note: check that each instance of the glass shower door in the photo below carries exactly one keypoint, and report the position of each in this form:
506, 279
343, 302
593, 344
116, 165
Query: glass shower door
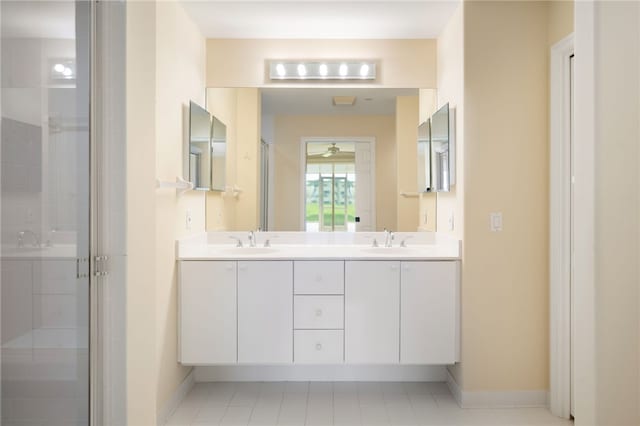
45, 214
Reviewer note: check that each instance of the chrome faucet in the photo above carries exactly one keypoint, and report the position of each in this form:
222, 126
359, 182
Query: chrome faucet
238, 240
403, 243
252, 239
22, 234
388, 238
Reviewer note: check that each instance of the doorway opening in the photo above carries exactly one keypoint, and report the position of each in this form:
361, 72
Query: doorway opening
337, 185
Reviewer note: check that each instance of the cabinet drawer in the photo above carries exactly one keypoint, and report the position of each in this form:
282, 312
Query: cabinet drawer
319, 277
318, 312
318, 346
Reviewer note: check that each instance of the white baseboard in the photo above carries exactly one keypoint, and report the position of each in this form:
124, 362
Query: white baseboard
260, 373
497, 399
176, 398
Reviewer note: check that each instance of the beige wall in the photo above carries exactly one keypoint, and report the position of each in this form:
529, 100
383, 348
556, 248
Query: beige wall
560, 20
451, 79
165, 69
450, 205
289, 131
141, 227
241, 63
505, 274
407, 120
180, 77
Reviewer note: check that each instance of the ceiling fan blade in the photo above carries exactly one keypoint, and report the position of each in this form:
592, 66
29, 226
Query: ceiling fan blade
328, 154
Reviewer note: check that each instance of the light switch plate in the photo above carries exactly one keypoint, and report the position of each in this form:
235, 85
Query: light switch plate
495, 220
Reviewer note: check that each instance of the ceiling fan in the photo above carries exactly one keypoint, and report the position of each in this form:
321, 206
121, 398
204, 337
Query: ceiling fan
330, 152
335, 153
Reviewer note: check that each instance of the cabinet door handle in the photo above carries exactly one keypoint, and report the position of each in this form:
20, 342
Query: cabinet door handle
394, 267
318, 346
229, 268
318, 312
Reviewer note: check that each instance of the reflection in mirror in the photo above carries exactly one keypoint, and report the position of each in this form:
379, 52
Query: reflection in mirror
199, 152
424, 157
330, 183
440, 170
218, 154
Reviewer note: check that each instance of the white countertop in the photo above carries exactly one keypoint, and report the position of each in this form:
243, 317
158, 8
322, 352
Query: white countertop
289, 246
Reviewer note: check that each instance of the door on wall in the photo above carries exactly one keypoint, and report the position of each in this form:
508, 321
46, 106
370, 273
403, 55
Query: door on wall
44, 191
338, 186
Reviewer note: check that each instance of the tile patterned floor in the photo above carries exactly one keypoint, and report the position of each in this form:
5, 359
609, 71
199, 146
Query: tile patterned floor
342, 404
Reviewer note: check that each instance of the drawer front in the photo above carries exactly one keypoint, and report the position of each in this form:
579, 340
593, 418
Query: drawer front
319, 277
318, 347
318, 312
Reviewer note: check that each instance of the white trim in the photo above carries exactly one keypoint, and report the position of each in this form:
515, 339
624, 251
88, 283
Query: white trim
490, 399
382, 373
176, 398
560, 228
585, 125
303, 162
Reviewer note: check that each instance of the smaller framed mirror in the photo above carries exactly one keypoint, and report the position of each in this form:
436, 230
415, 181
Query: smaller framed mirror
424, 156
441, 172
218, 155
199, 147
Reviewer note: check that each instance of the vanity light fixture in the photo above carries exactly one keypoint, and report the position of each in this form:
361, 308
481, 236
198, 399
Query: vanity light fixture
322, 70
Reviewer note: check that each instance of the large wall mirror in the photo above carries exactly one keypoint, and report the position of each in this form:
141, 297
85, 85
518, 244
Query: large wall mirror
322, 159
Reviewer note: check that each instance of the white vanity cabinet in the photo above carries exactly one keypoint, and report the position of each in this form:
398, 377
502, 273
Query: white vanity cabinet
429, 313
369, 311
208, 312
265, 312
372, 312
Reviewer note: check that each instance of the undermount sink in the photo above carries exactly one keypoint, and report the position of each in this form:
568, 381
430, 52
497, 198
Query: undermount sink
249, 250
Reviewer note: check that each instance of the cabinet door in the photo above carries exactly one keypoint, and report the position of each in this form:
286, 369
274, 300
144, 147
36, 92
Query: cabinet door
265, 312
208, 312
429, 301
372, 312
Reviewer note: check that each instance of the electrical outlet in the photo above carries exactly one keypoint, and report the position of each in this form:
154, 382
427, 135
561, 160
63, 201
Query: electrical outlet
189, 220
495, 221
426, 218
451, 222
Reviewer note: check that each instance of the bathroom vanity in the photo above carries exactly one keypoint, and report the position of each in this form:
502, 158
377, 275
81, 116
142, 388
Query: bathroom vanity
325, 298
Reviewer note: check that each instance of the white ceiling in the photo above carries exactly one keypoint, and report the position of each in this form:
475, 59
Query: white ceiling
319, 101
326, 19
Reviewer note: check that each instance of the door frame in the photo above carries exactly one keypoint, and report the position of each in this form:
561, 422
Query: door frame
560, 222
335, 139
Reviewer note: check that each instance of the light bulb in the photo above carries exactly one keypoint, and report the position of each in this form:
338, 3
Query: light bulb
302, 70
67, 72
364, 70
343, 70
324, 70
280, 70
58, 68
